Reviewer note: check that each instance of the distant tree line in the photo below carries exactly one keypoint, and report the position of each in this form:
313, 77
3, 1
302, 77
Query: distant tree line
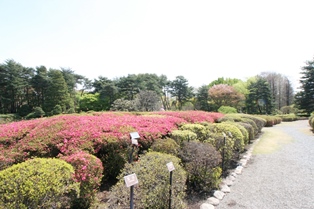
24, 90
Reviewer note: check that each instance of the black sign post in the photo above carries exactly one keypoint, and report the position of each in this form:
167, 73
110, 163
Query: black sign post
171, 168
223, 155
130, 181
134, 137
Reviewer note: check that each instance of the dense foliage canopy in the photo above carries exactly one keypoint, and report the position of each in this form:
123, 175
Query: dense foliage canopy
23, 89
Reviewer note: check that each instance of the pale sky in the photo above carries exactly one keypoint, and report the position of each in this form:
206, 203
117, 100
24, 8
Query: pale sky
200, 40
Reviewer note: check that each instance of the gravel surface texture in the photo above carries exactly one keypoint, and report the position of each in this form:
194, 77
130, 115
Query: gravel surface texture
281, 179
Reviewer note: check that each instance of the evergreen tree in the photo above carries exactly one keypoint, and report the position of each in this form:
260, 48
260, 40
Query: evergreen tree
129, 86
305, 97
202, 98
87, 85
13, 86
108, 95
108, 92
40, 84
57, 92
72, 80
259, 99
179, 88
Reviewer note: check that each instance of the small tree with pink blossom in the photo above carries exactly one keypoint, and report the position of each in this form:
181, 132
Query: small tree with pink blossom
225, 95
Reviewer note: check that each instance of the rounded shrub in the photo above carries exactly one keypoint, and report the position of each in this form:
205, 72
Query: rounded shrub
243, 130
288, 117
233, 132
224, 145
201, 161
227, 109
230, 117
199, 129
259, 121
250, 130
311, 120
167, 145
256, 129
183, 135
38, 183
37, 113
270, 120
57, 110
152, 190
88, 171
244, 119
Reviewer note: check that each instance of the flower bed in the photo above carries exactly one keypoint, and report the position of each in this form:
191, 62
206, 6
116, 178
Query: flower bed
67, 134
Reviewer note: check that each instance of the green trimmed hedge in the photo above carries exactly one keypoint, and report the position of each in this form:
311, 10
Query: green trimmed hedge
259, 122
38, 183
233, 132
168, 146
270, 120
288, 117
200, 130
227, 109
183, 135
250, 130
243, 119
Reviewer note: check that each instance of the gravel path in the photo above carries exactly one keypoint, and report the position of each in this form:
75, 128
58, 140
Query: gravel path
281, 179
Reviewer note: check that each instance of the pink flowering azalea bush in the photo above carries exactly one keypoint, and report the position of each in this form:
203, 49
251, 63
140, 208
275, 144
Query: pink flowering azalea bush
10, 135
68, 134
88, 172
193, 116
105, 135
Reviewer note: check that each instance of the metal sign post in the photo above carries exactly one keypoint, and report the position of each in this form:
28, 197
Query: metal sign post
131, 179
171, 168
223, 154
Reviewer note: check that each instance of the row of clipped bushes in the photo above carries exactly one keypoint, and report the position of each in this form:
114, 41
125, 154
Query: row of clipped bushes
199, 147
193, 140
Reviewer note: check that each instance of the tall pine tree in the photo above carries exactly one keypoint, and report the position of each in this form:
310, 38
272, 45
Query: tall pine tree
179, 88
304, 99
259, 99
57, 92
202, 98
13, 85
